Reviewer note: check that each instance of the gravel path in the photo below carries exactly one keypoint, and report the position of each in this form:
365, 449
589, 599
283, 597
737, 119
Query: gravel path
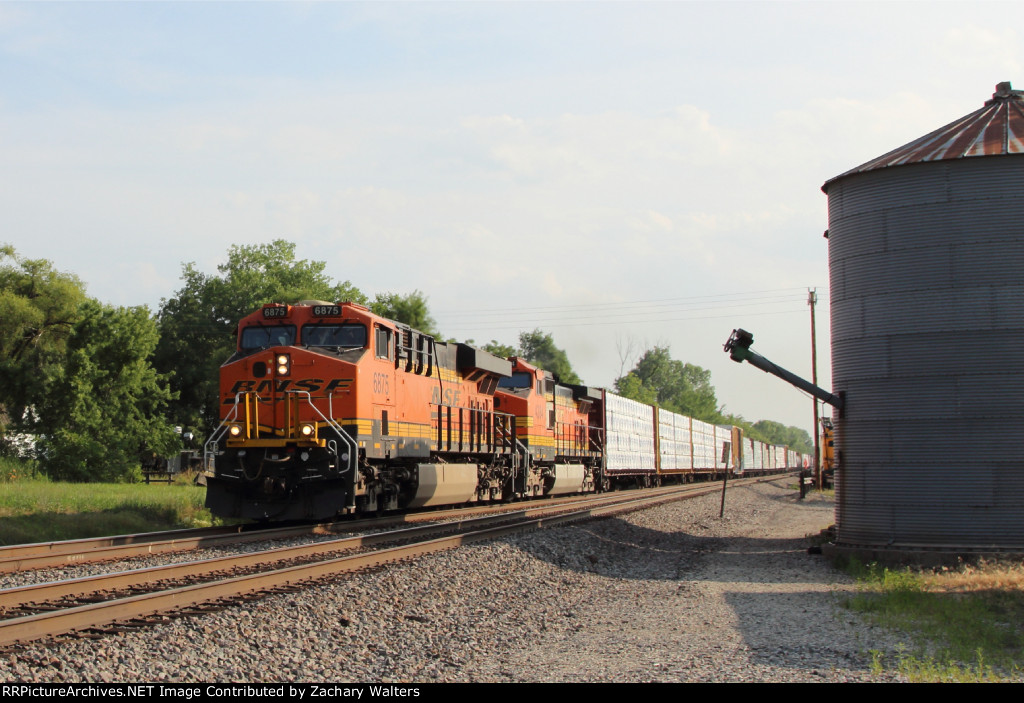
669, 594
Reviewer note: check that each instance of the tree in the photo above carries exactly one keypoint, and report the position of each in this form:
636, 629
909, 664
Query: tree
795, 438
38, 308
198, 324
539, 349
502, 351
410, 309
659, 379
632, 386
106, 406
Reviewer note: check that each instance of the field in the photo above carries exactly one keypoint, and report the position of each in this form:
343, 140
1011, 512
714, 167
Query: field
33, 509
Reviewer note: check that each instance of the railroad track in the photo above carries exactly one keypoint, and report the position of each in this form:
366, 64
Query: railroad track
45, 555
134, 598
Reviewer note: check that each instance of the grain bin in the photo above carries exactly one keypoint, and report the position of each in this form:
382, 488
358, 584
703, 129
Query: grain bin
926, 262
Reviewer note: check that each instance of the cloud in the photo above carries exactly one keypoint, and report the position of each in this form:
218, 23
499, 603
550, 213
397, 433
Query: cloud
982, 47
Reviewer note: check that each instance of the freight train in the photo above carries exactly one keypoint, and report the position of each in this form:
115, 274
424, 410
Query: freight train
329, 409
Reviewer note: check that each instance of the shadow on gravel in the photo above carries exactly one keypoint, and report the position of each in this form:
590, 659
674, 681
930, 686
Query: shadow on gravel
679, 547
710, 577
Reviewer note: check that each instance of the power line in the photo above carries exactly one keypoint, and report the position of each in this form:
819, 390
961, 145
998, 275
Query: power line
556, 324
684, 300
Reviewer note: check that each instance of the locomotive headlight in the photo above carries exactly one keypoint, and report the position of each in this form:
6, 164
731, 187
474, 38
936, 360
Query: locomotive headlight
307, 430
235, 430
284, 364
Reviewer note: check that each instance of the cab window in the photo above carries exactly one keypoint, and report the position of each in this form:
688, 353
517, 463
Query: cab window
339, 336
383, 343
518, 379
266, 336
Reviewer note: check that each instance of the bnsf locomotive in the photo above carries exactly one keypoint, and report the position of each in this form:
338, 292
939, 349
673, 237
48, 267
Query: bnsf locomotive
327, 409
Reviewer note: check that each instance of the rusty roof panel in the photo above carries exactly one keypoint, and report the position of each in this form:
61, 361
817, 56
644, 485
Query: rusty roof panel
997, 128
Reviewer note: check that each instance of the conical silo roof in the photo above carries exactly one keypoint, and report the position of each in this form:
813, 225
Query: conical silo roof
995, 129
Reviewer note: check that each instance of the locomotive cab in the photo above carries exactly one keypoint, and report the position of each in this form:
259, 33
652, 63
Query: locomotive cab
553, 424
280, 452
327, 408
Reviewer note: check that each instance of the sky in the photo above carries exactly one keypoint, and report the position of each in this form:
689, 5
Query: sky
620, 175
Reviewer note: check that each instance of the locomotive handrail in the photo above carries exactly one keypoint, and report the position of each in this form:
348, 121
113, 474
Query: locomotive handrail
468, 430
418, 357
209, 449
524, 468
350, 443
221, 430
575, 439
506, 429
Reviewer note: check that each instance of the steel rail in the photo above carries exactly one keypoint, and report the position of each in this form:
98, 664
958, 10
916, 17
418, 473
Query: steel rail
27, 596
94, 550
13, 551
43, 555
49, 624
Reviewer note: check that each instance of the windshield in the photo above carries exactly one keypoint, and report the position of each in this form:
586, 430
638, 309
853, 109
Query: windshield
334, 336
517, 380
256, 338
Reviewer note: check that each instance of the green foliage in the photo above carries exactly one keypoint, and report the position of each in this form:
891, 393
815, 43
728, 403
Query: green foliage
502, 351
658, 379
17, 469
38, 307
743, 424
795, 438
106, 406
959, 635
198, 324
38, 511
632, 386
539, 349
410, 309
928, 670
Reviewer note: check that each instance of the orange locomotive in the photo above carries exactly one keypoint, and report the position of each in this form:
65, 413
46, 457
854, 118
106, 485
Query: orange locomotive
553, 424
328, 408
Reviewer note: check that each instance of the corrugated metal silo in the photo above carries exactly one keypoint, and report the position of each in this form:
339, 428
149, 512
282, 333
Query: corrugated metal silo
926, 262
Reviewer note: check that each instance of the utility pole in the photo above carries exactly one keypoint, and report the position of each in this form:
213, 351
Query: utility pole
812, 298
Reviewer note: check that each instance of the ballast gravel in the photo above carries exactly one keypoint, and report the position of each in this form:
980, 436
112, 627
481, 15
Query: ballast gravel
669, 594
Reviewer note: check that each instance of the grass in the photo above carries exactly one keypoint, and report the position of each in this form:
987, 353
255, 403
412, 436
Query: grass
965, 624
33, 509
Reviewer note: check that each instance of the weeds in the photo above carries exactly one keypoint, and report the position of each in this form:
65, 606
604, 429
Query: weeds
965, 624
13, 469
37, 510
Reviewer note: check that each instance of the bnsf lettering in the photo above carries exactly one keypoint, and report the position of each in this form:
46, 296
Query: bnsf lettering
338, 383
449, 397
242, 387
311, 385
